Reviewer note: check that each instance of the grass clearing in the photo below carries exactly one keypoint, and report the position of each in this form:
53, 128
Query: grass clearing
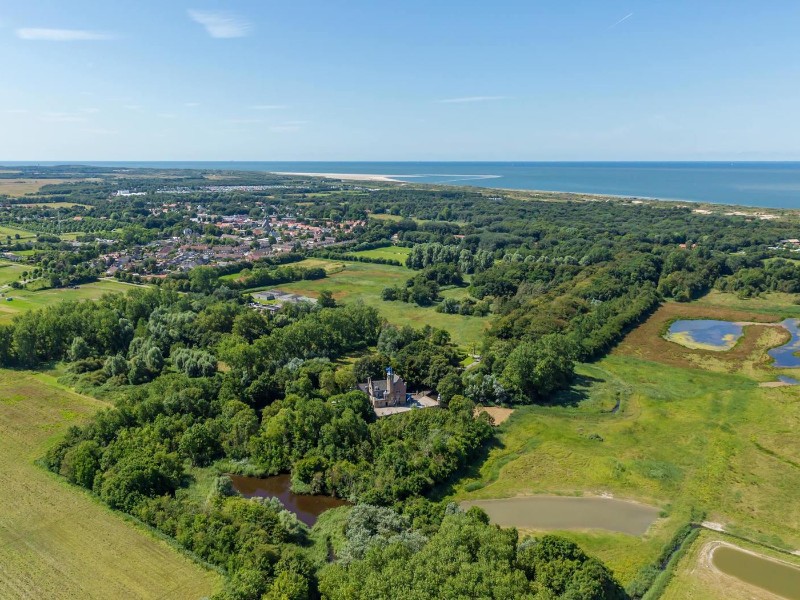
57, 541
352, 281
688, 435
399, 253
6, 231
26, 300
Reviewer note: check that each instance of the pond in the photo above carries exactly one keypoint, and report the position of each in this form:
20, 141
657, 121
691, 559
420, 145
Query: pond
785, 357
705, 334
772, 576
564, 512
307, 508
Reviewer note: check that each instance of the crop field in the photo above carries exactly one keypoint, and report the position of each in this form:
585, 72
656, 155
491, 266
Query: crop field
689, 435
25, 300
364, 281
57, 541
399, 253
22, 187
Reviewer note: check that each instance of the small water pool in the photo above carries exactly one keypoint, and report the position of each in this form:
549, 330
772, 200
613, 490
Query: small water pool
773, 576
307, 508
785, 357
566, 512
705, 334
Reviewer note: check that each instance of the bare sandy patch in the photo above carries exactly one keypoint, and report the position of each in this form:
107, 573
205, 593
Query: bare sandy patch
499, 415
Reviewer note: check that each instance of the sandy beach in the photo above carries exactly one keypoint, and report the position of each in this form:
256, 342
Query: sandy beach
344, 176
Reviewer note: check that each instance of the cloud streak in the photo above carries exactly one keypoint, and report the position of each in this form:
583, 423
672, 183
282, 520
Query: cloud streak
221, 25
269, 107
622, 20
40, 34
467, 99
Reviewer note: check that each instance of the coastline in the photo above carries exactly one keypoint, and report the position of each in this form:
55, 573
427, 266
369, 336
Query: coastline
344, 176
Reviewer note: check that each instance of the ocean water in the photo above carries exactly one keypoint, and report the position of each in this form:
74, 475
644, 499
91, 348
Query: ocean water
760, 184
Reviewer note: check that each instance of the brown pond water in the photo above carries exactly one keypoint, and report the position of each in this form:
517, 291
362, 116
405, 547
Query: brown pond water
770, 575
307, 508
564, 512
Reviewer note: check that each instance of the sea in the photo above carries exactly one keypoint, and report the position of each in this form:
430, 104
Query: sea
756, 184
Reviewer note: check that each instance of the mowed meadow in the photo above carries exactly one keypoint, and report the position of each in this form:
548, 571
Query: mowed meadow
57, 541
694, 435
354, 281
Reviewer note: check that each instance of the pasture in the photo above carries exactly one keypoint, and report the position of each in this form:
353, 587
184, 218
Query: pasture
57, 541
690, 436
25, 300
365, 281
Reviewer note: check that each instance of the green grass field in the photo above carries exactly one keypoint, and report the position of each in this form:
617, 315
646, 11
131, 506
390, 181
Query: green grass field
364, 281
399, 253
10, 271
25, 300
5, 230
57, 541
684, 438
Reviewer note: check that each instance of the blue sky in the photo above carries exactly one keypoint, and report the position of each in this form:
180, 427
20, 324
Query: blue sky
412, 80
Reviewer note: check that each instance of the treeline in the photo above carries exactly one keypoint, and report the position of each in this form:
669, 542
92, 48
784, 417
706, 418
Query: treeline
464, 557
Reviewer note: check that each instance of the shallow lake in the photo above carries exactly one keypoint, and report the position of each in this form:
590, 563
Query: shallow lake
770, 575
307, 508
706, 334
785, 356
564, 512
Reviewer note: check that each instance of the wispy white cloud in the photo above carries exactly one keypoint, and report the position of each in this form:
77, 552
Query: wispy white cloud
191, 104
237, 121
63, 35
269, 107
466, 99
132, 106
16, 111
622, 20
100, 131
220, 24
62, 117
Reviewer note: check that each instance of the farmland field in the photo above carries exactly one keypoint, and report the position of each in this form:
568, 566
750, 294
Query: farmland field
57, 541
22, 187
25, 300
364, 281
690, 435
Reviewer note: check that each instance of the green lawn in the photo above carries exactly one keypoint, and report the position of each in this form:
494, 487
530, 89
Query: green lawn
364, 281
57, 541
399, 253
25, 300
